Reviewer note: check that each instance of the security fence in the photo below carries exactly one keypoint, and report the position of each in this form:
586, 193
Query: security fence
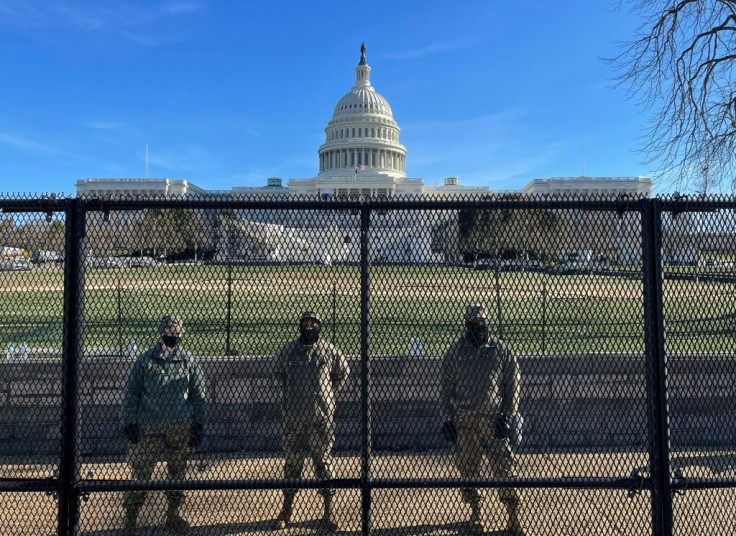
610, 328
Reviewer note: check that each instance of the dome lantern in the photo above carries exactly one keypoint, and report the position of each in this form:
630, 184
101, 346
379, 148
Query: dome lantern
362, 71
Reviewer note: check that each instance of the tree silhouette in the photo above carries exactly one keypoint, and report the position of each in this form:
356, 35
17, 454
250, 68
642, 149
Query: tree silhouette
680, 65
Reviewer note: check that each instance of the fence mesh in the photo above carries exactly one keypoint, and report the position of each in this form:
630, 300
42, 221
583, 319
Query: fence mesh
31, 304
222, 350
699, 265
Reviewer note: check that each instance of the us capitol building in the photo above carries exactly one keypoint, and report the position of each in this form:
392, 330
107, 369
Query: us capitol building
362, 155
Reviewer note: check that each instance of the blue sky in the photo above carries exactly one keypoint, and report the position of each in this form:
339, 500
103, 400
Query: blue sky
229, 93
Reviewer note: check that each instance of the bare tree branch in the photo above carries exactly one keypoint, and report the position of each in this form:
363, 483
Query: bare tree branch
681, 66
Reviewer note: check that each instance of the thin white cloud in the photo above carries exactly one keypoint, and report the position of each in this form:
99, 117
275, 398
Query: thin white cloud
428, 50
105, 125
82, 19
496, 121
21, 14
175, 8
246, 127
140, 39
506, 171
496, 154
181, 159
23, 143
113, 169
123, 17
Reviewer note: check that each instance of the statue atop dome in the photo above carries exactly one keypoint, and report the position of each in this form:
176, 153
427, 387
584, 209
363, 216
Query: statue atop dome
362, 54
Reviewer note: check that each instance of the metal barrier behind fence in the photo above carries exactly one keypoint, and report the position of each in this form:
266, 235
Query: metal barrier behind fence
610, 329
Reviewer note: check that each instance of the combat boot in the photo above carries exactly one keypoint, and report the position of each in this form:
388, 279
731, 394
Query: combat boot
327, 518
174, 522
476, 521
130, 524
284, 517
514, 525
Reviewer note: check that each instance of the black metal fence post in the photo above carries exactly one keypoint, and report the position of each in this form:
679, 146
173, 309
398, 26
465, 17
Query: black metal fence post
544, 315
334, 309
365, 374
72, 346
228, 321
662, 515
120, 314
499, 313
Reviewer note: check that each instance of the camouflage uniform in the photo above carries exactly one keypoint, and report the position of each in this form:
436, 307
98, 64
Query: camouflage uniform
310, 376
480, 384
164, 397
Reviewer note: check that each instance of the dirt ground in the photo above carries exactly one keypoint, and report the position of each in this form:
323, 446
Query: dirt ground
416, 512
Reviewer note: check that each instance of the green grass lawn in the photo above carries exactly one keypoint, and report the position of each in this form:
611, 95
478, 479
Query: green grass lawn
534, 312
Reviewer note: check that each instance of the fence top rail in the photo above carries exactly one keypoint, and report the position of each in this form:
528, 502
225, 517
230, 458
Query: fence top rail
37, 202
684, 203
369, 203
40, 203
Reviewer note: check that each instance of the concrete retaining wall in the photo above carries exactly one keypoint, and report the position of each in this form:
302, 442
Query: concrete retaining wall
574, 402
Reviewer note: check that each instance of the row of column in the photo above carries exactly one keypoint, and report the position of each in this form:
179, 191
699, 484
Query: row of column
363, 132
372, 158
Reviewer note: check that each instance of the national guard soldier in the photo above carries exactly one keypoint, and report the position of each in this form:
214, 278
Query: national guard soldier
310, 371
480, 400
164, 404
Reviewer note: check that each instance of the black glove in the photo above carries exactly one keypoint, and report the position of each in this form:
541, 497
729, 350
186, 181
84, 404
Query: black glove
196, 435
449, 431
131, 432
502, 427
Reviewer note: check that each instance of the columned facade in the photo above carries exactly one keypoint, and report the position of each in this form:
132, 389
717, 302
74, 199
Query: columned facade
332, 160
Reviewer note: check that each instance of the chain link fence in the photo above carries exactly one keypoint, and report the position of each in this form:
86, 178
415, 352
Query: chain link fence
245, 365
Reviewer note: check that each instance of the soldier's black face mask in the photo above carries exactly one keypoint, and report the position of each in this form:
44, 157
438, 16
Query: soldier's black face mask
309, 335
172, 341
477, 333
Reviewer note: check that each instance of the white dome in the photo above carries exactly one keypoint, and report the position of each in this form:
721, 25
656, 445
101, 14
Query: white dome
362, 133
362, 100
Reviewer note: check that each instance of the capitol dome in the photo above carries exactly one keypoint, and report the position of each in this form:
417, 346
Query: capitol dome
362, 134
360, 100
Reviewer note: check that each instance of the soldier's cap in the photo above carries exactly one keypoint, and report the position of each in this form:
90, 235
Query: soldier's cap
171, 324
475, 310
310, 314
